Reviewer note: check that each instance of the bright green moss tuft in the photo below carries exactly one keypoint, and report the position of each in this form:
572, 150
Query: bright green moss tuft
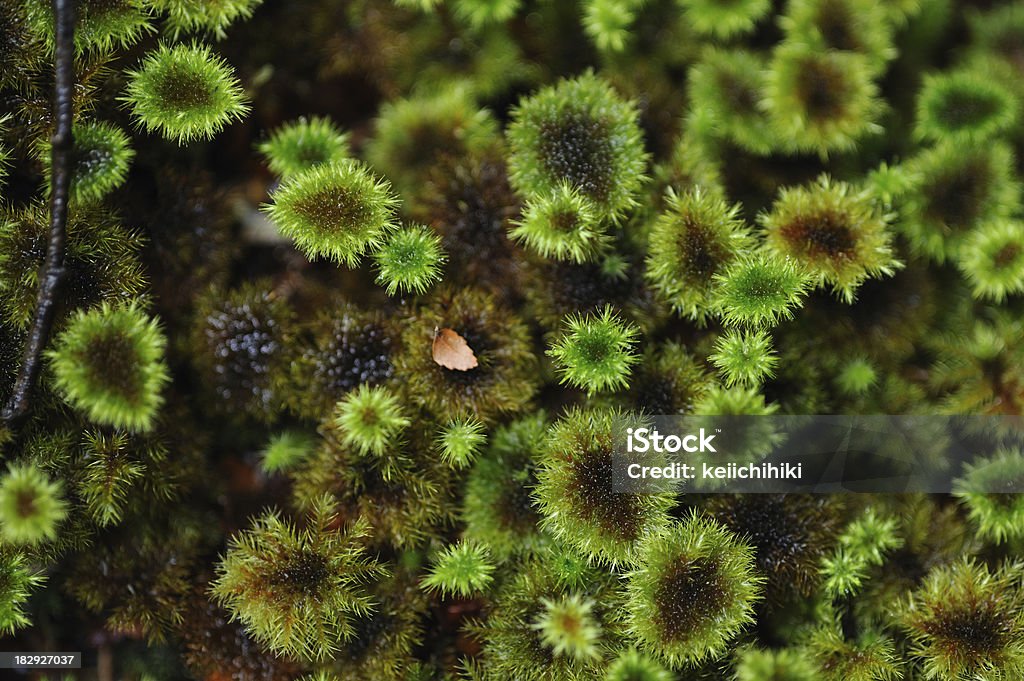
31, 505
410, 261
462, 569
100, 160
209, 16
745, 357
185, 93
595, 352
370, 418
992, 259
303, 144
964, 106
336, 211
727, 19
109, 362
563, 225
697, 237
760, 290
578, 132
693, 591
17, 580
101, 25
568, 628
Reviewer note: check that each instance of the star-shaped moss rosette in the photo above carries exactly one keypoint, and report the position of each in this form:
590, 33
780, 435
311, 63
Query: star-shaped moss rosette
337, 211
109, 363
184, 92
595, 352
410, 260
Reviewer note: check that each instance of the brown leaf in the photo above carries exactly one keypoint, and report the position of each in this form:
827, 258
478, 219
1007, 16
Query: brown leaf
451, 351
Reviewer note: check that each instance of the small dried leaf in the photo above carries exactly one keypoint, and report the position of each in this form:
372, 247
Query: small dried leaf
451, 351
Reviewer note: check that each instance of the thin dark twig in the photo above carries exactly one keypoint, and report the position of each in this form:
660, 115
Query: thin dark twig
53, 268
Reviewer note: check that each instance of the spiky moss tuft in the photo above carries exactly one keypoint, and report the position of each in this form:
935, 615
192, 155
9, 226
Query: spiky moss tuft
462, 569
595, 352
964, 107
693, 591
506, 375
410, 260
101, 261
582, 133
871, 536
759, 290
821, 101
724, 20
416, 133
856, 376
563, 225
31, 506
955, 189
633, 665
497, 509
17, 580
385, 640
730, 85
479, 14
835, 232
790, 535
697, 237
100, 159
122, 472
406, 494
872, 657
240, 349
1000, 32
285, 450
668, 380
206, 16
344, 347
297, 591
745, 356
337, 211
109, 362
860, 26
460, 440
303, 144
967, 620
608, 23
100, 25
514, 649
784, 664
998, 517
567, 627
185, 93
370, 419
575, 496
992, 259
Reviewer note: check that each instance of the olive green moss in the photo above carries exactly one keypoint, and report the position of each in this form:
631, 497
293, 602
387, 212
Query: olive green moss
249, 454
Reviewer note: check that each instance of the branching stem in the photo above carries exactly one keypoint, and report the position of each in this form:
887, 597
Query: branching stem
53, 268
